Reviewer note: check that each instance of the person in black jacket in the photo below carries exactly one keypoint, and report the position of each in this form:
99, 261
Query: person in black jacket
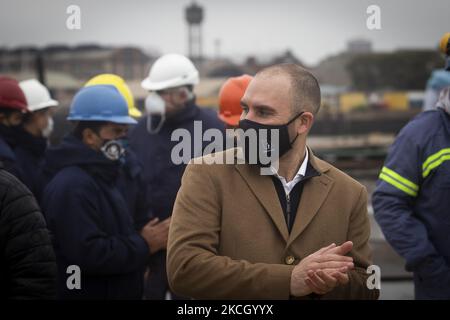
31, 138
27, 260
13, 106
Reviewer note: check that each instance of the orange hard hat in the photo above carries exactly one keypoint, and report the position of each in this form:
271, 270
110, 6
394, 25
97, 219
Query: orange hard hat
230, 97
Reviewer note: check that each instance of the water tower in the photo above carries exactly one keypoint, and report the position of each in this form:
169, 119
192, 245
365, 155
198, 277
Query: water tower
194, 18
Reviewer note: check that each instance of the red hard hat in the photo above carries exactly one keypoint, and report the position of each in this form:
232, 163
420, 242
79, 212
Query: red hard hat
230, 97
11, 96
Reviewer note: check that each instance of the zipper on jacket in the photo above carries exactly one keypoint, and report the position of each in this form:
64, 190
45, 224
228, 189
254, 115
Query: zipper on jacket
288, 212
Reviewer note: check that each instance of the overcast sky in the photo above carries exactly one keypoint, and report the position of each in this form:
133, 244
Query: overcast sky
311, 29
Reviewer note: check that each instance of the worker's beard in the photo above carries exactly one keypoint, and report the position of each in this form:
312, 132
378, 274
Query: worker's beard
174, 109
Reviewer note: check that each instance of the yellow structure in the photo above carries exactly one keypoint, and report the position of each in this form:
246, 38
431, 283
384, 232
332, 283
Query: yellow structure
351, 101
396, 101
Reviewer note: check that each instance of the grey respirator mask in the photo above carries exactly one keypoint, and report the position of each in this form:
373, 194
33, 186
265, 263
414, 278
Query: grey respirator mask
114, 150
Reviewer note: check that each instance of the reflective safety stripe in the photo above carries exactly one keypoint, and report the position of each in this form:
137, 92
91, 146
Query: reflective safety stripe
398, 177
398, 185
434, 161
399, 182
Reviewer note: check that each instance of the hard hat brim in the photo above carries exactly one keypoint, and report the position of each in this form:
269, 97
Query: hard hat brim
43, 105
135, 113
149, 85
124, 120
115, 119
230, 120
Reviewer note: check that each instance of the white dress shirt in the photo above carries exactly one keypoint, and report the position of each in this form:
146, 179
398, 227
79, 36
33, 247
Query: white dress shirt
288, 186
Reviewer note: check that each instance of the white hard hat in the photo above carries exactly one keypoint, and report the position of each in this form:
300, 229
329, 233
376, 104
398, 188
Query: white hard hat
169, 71
37, 95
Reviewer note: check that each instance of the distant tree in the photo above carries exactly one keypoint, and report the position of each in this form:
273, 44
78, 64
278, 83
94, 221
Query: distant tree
400, 70
229, 70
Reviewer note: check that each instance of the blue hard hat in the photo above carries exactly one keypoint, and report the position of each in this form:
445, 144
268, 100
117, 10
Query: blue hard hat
100, 103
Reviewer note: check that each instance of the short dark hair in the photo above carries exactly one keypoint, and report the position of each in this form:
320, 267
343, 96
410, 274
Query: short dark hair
305, 89
80, 126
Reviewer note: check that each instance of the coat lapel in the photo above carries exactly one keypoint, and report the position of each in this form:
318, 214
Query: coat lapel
315, 191
264, 190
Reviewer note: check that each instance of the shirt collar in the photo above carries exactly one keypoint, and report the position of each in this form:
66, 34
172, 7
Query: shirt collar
301, 171
288, 186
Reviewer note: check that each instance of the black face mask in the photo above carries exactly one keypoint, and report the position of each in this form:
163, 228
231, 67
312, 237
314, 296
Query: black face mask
265, 151
9, 134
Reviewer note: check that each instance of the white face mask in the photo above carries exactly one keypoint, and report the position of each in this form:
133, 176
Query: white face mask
155, 106
49, 129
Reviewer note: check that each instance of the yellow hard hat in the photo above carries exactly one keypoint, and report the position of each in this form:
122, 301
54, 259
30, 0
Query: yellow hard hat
445, 44
121, 86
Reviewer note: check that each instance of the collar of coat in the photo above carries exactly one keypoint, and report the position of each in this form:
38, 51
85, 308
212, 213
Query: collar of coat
315, 192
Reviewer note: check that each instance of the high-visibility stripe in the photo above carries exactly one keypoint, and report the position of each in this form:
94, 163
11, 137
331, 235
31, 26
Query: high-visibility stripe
397, 185
399, 178
436, 164
434, 156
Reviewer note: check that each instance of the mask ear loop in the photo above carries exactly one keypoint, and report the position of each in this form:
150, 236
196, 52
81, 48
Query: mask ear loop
158, 127
158, 108
292, 120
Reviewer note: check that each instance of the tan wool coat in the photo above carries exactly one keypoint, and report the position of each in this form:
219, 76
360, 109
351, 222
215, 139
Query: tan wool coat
228, 238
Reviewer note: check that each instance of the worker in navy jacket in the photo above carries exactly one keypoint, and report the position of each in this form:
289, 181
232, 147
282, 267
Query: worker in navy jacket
130, 182
170, 106
412, 199
87, 213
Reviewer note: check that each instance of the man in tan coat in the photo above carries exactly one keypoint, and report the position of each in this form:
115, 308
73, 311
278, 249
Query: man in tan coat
238, 234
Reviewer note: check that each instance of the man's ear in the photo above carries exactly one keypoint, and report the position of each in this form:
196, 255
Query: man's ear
90, 138
306, 122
